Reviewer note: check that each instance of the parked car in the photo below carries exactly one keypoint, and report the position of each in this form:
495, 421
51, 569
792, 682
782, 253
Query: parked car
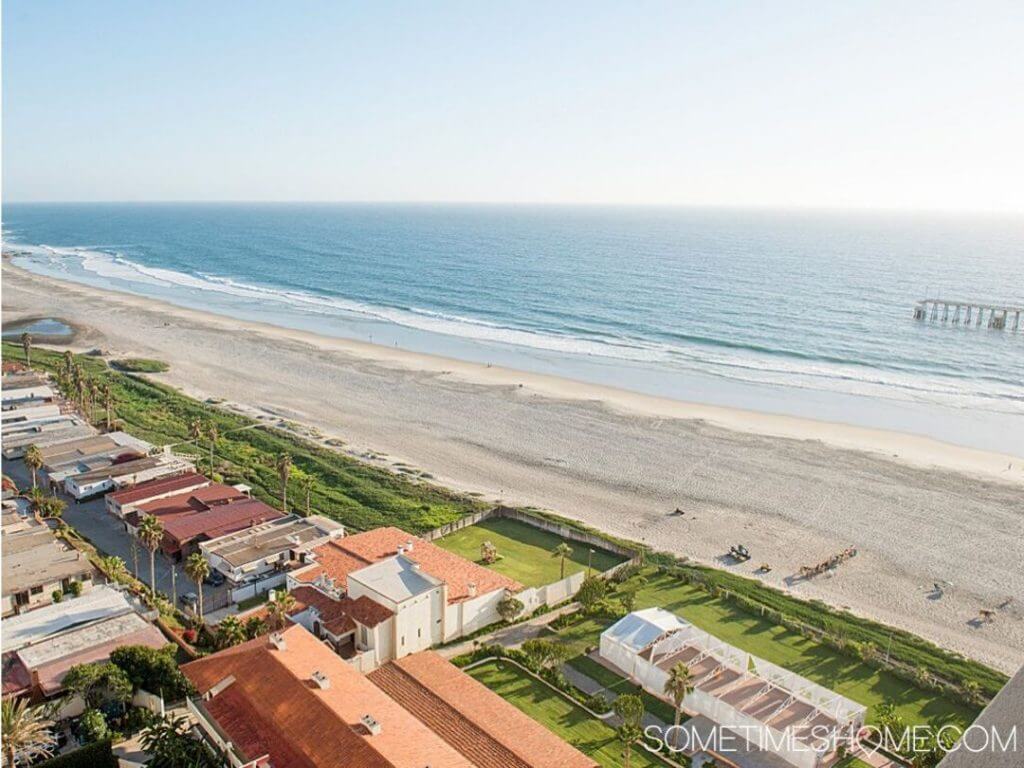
215, 579
189, 600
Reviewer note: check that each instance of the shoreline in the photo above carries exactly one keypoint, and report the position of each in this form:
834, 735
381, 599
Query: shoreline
793, 490
915, 450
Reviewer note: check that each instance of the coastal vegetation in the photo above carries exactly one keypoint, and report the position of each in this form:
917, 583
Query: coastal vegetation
247, 450
140, 365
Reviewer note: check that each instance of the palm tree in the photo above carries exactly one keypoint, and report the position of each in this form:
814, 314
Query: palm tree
282, 605
36, 501
306, 483
53, 507
108, 402
230, 632
114, 567
213, 434
151, 533
197, 569
26, 344
678, 685
630, 708
94, 395
195, 431
283, 465
26, 732
563, 551
34, 461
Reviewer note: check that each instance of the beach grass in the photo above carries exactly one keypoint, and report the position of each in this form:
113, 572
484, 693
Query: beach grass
567, 720
816, 661
140, 365
353, 492
525, 552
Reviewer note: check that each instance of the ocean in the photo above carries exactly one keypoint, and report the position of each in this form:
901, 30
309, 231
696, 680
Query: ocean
800, 313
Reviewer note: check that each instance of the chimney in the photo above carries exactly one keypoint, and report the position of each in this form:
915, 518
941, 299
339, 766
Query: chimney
408, 546
401, 549
322, 681
471, 589
370, 723
278, 641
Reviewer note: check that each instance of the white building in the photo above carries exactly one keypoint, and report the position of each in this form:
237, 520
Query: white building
773, 709
99, 481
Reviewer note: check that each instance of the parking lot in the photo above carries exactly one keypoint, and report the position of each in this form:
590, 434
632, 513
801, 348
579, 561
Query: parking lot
107, 533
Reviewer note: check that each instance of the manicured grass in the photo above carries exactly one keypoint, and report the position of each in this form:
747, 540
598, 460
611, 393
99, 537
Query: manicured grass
359, 495
620, 685
140, 365
570, 722
817, 662
524, 551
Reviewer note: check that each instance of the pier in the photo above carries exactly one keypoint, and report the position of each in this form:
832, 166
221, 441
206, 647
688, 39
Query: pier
999, 317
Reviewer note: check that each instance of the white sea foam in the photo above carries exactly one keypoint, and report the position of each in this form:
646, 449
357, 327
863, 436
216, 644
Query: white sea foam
89, 263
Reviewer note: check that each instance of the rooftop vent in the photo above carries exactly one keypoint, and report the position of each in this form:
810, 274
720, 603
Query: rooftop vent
471, 589
370, 723
401, 549
277, 640
408, 546
322, 681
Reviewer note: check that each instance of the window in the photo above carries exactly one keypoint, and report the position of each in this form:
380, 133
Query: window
419, 633
37, 590
403, 641
363, 635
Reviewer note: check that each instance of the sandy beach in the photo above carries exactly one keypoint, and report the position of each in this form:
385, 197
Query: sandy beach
794, 491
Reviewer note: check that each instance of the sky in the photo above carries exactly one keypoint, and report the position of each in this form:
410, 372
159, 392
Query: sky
916, 105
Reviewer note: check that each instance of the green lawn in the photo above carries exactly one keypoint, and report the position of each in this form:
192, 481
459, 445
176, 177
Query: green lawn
559, 715
620, 685
524, 551
820, 663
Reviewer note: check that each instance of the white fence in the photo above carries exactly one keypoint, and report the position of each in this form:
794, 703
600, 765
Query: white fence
245, 591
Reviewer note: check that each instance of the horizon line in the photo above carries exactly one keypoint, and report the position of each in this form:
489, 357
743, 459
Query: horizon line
766, 207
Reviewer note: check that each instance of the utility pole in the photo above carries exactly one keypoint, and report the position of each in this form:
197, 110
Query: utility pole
174, 585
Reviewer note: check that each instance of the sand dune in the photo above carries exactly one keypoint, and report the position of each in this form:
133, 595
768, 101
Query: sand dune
793, 490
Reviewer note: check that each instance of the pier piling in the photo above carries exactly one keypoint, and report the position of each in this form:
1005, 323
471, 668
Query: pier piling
1001, 317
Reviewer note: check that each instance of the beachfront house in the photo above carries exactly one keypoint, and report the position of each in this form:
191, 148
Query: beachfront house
259, 558
98, 481
128, 499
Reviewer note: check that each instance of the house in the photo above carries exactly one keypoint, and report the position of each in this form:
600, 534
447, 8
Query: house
59, 430
772, 709
35, 565
258, 558
358, 629
200, 515
29, 414
126, 500
36, 392
40, 647
436, 595
65, 460
286, 700
98, 481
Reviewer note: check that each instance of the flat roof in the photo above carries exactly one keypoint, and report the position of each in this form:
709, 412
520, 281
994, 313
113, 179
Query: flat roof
34, 557
270, 539
49, 434
396, 578
129, 468
101, 601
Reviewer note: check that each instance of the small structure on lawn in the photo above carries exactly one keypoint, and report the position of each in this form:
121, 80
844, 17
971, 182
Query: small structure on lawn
773, 709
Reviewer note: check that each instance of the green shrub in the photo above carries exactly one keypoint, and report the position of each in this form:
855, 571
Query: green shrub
96, 755
140, 365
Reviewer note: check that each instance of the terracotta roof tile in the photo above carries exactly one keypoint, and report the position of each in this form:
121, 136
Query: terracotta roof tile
339, 615
274, 707
473, 719
338, 558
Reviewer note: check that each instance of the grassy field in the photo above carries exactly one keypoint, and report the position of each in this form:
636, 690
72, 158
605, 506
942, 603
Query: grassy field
357, 494
815, 661
140, 365
524, 551
567, 720
620, 685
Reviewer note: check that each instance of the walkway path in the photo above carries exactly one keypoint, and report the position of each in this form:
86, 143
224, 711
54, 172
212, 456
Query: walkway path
510, 636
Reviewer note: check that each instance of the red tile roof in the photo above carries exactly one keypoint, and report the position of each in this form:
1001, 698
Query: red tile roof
16, 677
198, 500
473, 719
158, 487
339, 616
270, 705
338, 558
217, 520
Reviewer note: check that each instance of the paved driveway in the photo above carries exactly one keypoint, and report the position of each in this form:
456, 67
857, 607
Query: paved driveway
108, 534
